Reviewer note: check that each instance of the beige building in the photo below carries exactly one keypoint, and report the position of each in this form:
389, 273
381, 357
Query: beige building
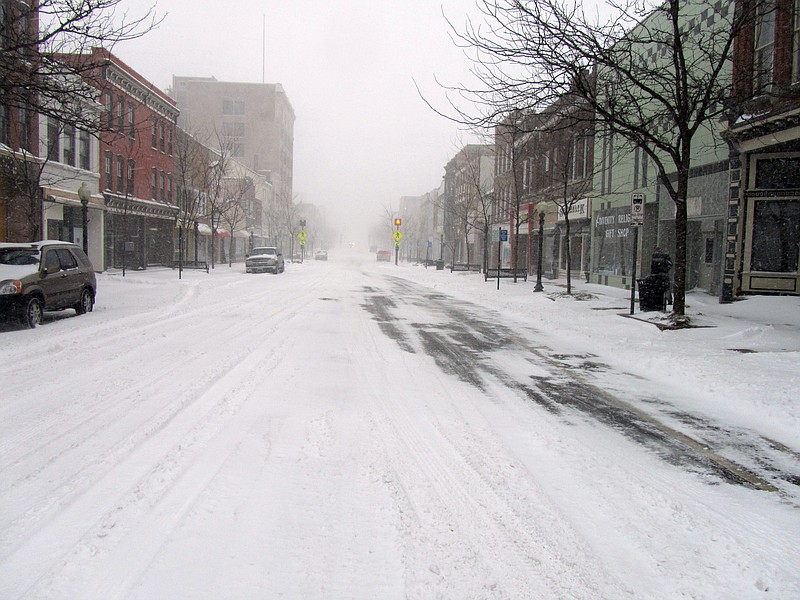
254, 121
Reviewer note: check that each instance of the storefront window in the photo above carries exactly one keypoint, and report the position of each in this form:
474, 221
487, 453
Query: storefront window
612, 241
776, 236
779, 173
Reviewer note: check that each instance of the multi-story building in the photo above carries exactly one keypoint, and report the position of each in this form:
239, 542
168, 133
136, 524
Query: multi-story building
468, 186
70, 184
762, 217
253, 123
622, 167
137, 145
21, 216
544, 167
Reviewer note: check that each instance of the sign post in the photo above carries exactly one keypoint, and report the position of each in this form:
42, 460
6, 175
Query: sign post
397, 235
637, 219
502, 237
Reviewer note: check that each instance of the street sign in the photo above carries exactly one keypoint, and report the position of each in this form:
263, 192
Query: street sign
397, 235
637, 209
303, 237
430, 244
503, 235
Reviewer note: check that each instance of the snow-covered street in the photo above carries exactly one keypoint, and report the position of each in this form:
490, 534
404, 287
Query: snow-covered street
354, 429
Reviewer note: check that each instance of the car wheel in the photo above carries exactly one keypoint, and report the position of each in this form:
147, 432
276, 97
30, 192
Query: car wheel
86, 303
33, 314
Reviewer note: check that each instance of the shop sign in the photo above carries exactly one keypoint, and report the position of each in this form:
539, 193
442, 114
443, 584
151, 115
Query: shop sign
579, 210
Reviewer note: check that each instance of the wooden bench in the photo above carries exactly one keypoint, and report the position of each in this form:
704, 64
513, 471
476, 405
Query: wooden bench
506, 273
465, 267
191, 264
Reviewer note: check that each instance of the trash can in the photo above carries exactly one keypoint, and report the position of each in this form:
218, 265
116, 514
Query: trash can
439, 265
652, 293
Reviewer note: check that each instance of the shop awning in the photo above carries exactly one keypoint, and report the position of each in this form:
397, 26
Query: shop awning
204, 229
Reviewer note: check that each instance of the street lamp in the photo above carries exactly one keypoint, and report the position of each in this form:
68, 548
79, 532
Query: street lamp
539, 287
84, 193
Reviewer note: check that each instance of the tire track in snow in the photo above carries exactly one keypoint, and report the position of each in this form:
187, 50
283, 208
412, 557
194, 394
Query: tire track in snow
78, 491
465, 532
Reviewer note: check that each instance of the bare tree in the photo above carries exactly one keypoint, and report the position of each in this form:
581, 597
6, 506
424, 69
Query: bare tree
25, 170
572, 189
192, 161
36, 35
212, 186
658, 77
239, 193
511, 136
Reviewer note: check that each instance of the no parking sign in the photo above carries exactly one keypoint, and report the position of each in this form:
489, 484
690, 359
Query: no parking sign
637, 209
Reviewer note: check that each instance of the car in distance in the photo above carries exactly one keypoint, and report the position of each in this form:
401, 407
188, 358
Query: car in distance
40, 276
383, 256
321, 255
264, 259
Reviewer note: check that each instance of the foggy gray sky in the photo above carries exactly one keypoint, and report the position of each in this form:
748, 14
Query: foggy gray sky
363, 137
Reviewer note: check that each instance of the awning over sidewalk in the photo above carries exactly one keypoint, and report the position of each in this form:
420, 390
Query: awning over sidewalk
204, 229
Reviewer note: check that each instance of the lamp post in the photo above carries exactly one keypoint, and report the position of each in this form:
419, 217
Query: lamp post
539, 287
84, 193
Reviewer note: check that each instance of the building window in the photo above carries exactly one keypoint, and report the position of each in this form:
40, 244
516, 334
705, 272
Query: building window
163, 195
169, 141
645, 161
24, 129
764, 49
53, 140
110, 111
120, 175
131, 178
121, 115
154, 134
161, 145
796, 44
776, 236
778, 173
69, 145
609, 157
109, 169
132, 121
232, 107
230, 129
154, 183
84, 150
4, 125
169, 188
709, 253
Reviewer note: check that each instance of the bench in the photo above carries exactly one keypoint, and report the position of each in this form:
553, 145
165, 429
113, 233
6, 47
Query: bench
191, 264
465, 267
506, 273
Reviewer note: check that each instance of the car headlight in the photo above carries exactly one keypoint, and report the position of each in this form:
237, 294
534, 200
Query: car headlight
10, 287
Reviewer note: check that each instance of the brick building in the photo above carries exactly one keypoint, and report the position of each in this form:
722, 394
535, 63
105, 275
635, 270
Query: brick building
137, 163
762, 237
21, 217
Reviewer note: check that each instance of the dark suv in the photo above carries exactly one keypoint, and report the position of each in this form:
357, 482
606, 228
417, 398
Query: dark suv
41, 276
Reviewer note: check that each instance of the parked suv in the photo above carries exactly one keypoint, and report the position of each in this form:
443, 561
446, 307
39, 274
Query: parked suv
40, 276
264, 259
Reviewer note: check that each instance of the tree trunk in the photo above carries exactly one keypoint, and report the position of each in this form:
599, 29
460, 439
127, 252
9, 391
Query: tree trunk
679, 290
568, 252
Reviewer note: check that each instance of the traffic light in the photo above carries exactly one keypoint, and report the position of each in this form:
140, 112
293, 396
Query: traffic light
397, 222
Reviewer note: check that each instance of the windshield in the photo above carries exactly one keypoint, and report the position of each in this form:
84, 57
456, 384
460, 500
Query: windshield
257, 251
19, 256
